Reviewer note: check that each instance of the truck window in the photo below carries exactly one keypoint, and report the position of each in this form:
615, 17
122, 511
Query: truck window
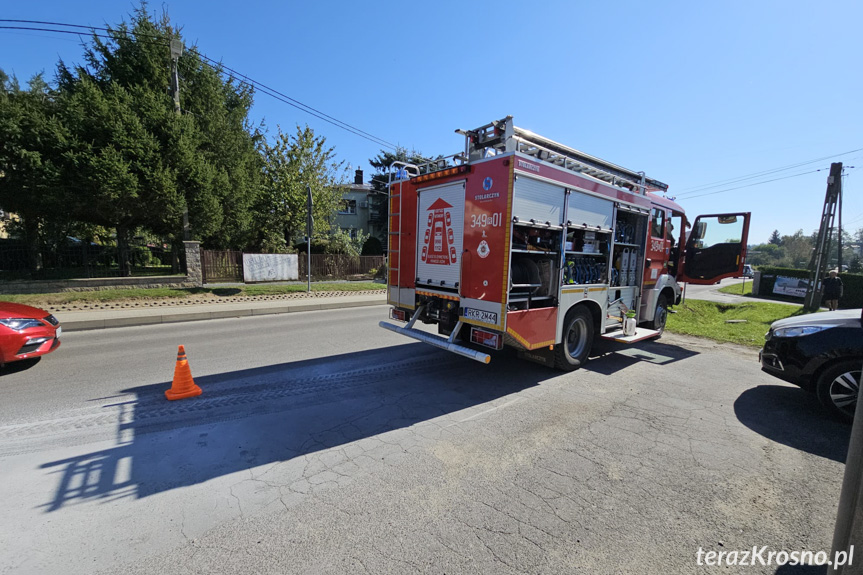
671, 229
657, 223
714, 246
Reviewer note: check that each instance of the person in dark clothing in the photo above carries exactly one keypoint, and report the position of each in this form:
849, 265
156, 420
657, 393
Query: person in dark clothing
832, 290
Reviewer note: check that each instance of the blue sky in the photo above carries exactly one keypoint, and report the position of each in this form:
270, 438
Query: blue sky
691, 93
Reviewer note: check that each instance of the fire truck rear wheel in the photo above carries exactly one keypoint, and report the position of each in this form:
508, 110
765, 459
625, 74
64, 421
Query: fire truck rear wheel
572, 352
660, 316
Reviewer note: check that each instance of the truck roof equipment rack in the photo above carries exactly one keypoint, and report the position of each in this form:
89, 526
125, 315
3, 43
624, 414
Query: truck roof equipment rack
502, 136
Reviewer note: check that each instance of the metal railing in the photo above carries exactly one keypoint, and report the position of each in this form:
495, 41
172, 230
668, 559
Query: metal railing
80, 259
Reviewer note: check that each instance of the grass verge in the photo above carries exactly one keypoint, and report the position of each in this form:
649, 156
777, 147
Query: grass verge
112, 295
746, 290
738, 289
710, 319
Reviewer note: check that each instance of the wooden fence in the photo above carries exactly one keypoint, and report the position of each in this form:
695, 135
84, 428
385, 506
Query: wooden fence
341, 267
220, 266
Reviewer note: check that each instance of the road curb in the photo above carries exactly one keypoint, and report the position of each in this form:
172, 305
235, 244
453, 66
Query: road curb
186, 315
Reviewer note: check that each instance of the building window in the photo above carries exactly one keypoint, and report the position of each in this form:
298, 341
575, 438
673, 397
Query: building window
353, 233
348, 207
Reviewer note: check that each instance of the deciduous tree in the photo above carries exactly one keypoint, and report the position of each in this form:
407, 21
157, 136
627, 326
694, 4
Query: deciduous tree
293, 162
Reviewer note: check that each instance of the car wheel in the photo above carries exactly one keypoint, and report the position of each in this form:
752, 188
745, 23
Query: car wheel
572, 352
838, 388
660, 315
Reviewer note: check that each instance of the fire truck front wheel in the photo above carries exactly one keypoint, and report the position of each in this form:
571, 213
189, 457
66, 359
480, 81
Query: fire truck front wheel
660, 316
578, 331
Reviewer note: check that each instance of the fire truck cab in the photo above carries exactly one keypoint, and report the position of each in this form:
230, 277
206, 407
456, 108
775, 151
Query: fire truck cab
521, 241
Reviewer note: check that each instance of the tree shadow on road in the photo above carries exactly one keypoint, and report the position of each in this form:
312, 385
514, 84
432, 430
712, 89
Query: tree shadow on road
253, 417
793, 417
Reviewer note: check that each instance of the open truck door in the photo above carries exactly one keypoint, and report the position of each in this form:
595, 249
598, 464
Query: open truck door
715, 248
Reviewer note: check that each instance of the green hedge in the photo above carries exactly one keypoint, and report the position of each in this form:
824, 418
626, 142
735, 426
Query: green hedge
852, 285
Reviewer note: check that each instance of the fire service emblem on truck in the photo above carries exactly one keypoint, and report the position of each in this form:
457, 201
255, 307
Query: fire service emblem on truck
439, 241
483, 249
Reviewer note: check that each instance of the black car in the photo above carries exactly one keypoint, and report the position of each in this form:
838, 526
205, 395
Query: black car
822, 353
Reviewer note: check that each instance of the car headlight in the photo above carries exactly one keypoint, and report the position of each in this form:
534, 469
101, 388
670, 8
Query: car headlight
799, 330
18, 323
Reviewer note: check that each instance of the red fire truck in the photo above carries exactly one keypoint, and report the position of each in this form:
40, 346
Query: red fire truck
524, 242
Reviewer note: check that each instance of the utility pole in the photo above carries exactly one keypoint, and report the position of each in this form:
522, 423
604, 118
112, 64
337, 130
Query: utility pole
818, 263
176, 52
309, 223
839, 235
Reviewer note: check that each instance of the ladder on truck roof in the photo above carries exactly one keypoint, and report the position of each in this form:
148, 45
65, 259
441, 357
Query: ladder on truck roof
502, 136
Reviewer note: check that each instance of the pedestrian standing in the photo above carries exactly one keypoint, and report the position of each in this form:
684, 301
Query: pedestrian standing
832, 290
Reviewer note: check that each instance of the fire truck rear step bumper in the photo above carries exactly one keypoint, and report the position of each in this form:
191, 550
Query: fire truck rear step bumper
438, 341
640, 334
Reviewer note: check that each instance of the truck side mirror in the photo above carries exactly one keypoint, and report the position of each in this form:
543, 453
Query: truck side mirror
700, 230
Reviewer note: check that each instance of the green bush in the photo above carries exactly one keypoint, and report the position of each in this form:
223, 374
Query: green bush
852, 284
372, 247
381, 272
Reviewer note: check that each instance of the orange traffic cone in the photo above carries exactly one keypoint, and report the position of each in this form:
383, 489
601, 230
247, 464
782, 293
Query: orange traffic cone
183, 385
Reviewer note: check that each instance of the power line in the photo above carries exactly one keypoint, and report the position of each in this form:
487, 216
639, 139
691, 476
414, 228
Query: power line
273, 93
757, 183
53, 24
764, 173
41, 29
299, 105
249, 81
760, 174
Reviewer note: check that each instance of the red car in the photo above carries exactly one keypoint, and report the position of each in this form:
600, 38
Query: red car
26, 332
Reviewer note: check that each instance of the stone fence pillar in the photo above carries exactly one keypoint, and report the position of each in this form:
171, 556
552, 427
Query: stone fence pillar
194, 271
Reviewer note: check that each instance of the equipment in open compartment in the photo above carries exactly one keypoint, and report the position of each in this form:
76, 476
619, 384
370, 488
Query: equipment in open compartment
629, 229
533, 267
586, 257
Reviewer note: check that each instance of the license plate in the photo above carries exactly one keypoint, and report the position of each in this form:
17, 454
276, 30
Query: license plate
480, 315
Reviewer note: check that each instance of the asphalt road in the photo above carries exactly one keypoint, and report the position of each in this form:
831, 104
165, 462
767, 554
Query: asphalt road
708, 291
324, 444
